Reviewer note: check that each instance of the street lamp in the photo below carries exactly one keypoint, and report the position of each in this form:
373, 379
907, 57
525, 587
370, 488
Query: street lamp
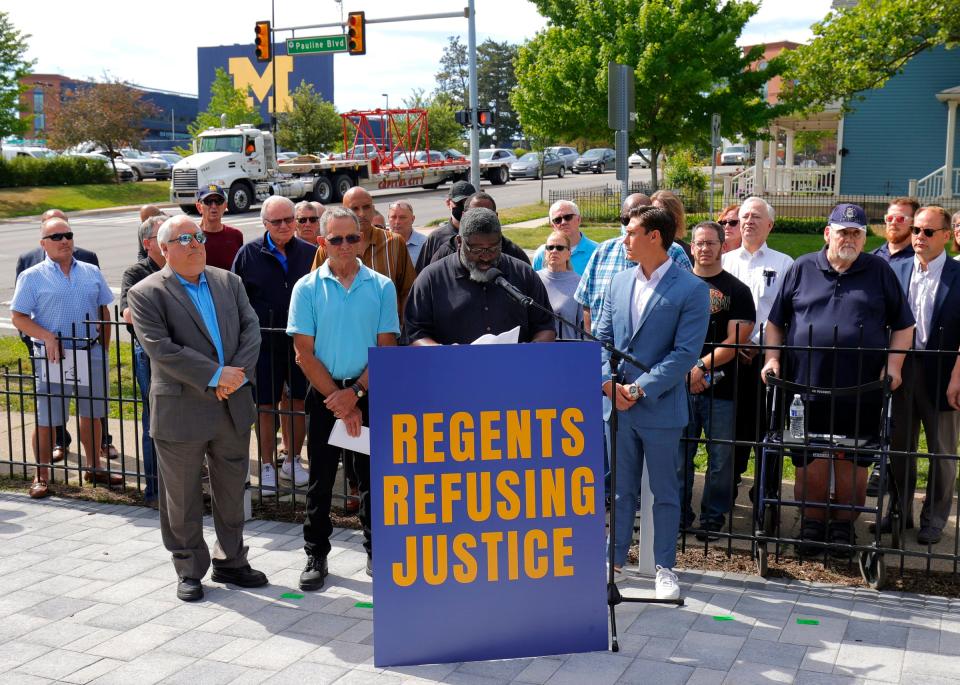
387, 100
386, 121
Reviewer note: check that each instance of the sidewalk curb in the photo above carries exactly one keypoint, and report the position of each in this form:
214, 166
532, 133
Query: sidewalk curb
90, 212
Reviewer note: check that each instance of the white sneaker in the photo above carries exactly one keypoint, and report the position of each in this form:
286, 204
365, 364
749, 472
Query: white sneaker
667, 585
293, 470
268, 477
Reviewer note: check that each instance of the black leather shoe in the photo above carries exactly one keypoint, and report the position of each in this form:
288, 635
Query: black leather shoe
873, 483
886, 527
370, 566
928, 535
313, 573
243, 576
189, 590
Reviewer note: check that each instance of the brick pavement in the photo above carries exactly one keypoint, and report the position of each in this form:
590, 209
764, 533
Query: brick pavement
87, 596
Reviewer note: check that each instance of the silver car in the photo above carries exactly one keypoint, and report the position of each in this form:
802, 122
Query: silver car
528, 166
567, 154
145, 166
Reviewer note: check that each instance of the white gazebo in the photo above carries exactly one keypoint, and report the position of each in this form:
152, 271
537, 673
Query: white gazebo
942, 183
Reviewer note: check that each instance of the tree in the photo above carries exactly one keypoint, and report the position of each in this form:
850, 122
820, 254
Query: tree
860, 47
453, 79
442, 124
224, 99
495, 79
686, 64
110, 114
311, 125
13, 67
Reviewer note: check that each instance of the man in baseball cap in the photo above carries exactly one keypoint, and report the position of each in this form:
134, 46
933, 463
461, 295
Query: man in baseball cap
848, 215
456, 198
223, 242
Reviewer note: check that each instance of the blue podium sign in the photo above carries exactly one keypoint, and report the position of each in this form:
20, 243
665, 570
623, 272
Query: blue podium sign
487, 486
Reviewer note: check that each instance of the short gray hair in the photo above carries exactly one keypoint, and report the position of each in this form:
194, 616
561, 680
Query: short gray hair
479, 221
560, 203
148, 226
402, 204
759, 200
308, 204
272, 200
332, 213
165, 234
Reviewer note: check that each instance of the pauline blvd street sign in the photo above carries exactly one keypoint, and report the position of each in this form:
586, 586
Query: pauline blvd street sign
317, 44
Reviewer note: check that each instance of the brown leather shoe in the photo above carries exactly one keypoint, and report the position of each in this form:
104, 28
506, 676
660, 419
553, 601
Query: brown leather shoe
39, 489
59, 454
108, 451
102, 477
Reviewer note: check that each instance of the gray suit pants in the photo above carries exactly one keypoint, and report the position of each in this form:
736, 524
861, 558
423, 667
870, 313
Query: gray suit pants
914, 403
181, 497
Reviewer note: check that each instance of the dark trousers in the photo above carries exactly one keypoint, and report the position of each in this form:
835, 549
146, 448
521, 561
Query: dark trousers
324, 459
750, 423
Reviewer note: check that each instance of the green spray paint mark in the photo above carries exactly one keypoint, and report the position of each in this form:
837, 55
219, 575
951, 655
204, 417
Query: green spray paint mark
364, 605
808, 621
291, 595
723, 618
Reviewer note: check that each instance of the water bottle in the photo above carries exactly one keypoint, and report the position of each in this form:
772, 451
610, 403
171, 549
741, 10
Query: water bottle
797, 418
713, 377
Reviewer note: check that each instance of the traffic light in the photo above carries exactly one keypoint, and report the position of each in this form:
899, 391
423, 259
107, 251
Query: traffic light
463, 117
357, 33
261, 42
484, 118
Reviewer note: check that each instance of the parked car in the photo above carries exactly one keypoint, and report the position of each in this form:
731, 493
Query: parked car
143, 165
14, 151
641, 158
495, 164
420, 156
368, 151
124, 171
284, 156
454, 155
596, 160
735, 154
169, 157
567, 154
528, 166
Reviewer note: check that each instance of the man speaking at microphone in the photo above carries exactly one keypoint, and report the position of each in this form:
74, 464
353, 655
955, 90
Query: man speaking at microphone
466, 295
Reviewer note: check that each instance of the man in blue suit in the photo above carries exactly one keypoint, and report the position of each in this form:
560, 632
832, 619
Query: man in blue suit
659, 314
931, 281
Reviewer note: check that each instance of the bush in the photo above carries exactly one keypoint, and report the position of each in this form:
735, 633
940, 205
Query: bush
783, 224
681, 172
520, 152
55, 171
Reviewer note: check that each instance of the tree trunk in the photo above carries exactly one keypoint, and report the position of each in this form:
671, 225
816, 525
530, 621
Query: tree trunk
654, 180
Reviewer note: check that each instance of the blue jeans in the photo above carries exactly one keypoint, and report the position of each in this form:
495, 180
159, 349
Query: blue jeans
715, 418
660, 448
141, 368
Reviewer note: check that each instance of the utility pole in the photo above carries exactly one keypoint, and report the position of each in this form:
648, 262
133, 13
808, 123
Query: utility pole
474, 127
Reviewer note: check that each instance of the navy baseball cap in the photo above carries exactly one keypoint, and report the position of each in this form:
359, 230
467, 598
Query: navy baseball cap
848, 216
461, 190
210, 190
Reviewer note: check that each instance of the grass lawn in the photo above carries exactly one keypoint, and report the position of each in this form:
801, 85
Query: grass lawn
32, 201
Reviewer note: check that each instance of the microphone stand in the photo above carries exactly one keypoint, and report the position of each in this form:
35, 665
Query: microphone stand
616, 357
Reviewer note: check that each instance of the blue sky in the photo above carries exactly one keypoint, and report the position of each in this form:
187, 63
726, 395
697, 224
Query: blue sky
155, 45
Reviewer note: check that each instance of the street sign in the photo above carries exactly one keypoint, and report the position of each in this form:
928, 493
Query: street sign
317, 44
620, 97
715, 131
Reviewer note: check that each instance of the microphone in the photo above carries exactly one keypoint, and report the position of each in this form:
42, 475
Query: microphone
497, 277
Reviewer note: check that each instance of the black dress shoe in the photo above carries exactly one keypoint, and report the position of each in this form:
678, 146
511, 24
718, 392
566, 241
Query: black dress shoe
873, 483
313, 573
370, 566
189, 590
928, 535
886, 527
243, 576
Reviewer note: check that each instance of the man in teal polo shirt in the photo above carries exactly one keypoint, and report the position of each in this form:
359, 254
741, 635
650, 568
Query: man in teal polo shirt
337, 312
565, 218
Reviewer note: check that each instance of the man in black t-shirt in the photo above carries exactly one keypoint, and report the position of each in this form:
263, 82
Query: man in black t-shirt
711, 381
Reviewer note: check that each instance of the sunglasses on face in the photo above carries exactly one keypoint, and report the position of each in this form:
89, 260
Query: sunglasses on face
213, 201
551, 248
57, 237
896, 219
308, 219
557, 220
729, 222
277, 223
929, 232
185, 238
351, 239
482, 251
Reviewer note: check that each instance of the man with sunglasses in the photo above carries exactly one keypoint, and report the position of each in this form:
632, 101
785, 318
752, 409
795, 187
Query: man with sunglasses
401, 218
203, 339
223, 241
897, 222
930, 394
54, 304
308, 215
454, 300
565, 217
338, 312
269, 267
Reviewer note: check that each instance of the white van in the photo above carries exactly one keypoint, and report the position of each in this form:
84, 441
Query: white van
14, 151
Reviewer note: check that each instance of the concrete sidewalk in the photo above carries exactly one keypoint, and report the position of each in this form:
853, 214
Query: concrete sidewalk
88, 596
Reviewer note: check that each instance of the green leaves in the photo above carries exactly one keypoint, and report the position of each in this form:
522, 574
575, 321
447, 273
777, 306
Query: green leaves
13, 67
225, 99
312, 124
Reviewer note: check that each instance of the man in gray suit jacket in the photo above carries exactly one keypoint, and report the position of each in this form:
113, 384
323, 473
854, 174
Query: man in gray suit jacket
203, 338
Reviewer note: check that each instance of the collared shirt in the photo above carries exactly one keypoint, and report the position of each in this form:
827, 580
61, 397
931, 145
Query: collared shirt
440, 235
448, 307
415, 244
883, 252
61, 303
643, 289
923, 295
579, 255
763, 273
131, 276
202, 299
344, 323
275, 251
608, 259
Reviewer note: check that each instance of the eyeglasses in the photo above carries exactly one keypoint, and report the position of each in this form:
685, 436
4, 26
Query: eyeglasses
351, 239
551, 248
557, 220
57, 237
481, 251
307, 219
896, 218
276, 223
701, 244
929, 232
729, 222
212, 201
185, 238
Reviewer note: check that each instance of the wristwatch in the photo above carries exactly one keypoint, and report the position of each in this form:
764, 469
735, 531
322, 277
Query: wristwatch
358, 389
634, 391
700, 365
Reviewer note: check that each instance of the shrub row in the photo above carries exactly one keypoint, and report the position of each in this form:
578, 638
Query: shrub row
55, 171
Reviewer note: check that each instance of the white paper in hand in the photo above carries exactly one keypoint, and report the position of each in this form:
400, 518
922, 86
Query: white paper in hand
511, 337
340, 438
